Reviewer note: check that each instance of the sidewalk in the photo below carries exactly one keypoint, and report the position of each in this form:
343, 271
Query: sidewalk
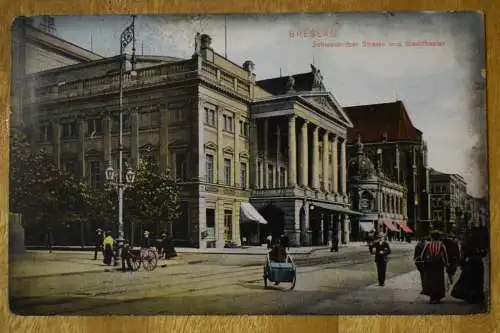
401, 295
42, 264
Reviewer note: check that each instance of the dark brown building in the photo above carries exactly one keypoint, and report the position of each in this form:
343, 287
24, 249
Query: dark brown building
397, 147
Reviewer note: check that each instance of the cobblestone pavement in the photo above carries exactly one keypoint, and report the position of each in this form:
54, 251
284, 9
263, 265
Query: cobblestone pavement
336, 283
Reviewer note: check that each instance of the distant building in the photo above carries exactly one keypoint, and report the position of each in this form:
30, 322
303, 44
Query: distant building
243, 150
391, 140
478, 210
448, 196
36, 48
381, 201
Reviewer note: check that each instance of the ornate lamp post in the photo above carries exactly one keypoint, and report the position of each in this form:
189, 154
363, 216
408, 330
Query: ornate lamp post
127, 36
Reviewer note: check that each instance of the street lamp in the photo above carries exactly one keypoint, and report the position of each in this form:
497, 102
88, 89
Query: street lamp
127, 36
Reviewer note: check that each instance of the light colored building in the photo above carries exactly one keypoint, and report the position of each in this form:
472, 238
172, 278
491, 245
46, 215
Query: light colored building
233, 142
448, 193
381, 201
36, 48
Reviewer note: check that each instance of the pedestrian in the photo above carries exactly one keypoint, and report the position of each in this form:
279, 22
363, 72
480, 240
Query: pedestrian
335, 242
108, 245
470, 285
146, 241
435, 261
99, 238
126, 257
382, 251
269, 241
418, 260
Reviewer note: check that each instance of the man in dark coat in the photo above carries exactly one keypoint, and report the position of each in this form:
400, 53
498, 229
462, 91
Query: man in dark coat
99, 237
418, 259
381, 249
435, 262
453, 252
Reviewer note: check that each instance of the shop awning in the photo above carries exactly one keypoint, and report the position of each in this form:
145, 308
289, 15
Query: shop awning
389, 225
405, 227
366, 226
336, 208
248, 213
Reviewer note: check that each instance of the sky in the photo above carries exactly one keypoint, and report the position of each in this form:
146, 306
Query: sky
365, 58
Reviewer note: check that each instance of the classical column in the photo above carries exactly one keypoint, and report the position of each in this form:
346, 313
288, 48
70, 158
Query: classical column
164, 153
304, 173
83, 148
254, 173
292, 152
326, 172
264, 155
134, 137
335, 167
56, 143
315, 159
343, 169
347, 228
236, 156
220, 147
278, 145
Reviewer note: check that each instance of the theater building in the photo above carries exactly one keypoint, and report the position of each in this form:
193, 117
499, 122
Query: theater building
252, 157
391, 140
381, 201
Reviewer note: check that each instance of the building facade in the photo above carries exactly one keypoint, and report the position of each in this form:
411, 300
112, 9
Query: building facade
36, 48
448, 197
391, 140
234, 143
381, 201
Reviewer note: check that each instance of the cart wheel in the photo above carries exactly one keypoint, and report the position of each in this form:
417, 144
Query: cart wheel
150, 261
265, 277
294, 281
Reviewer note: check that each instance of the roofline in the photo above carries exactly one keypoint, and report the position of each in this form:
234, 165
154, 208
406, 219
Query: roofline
59, 39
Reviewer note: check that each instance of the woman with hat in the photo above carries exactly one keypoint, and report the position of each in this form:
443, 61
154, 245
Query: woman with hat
435, 262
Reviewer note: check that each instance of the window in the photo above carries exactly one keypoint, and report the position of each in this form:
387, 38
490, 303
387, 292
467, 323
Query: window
210, 116
270, 176
94, 127
70, 130
210, 168
228, 123
46, 133
244, 129
94, 173
228, 224
243, 172
227, 171
69, 165
180, 166
210, 213
282, 177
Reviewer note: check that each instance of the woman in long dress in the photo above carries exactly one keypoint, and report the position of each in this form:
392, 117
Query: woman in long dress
470, 285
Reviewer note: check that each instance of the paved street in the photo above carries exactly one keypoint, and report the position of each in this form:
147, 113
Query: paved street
200, 283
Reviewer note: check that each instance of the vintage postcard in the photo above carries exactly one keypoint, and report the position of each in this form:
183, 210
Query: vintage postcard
327, 163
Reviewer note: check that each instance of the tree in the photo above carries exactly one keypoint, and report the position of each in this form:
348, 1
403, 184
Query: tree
42, 193
153, 198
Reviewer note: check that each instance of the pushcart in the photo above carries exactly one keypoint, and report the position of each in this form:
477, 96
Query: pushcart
280, 271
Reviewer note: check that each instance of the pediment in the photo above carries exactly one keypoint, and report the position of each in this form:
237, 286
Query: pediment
244, 154
228, 150
210, 145
329, 105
